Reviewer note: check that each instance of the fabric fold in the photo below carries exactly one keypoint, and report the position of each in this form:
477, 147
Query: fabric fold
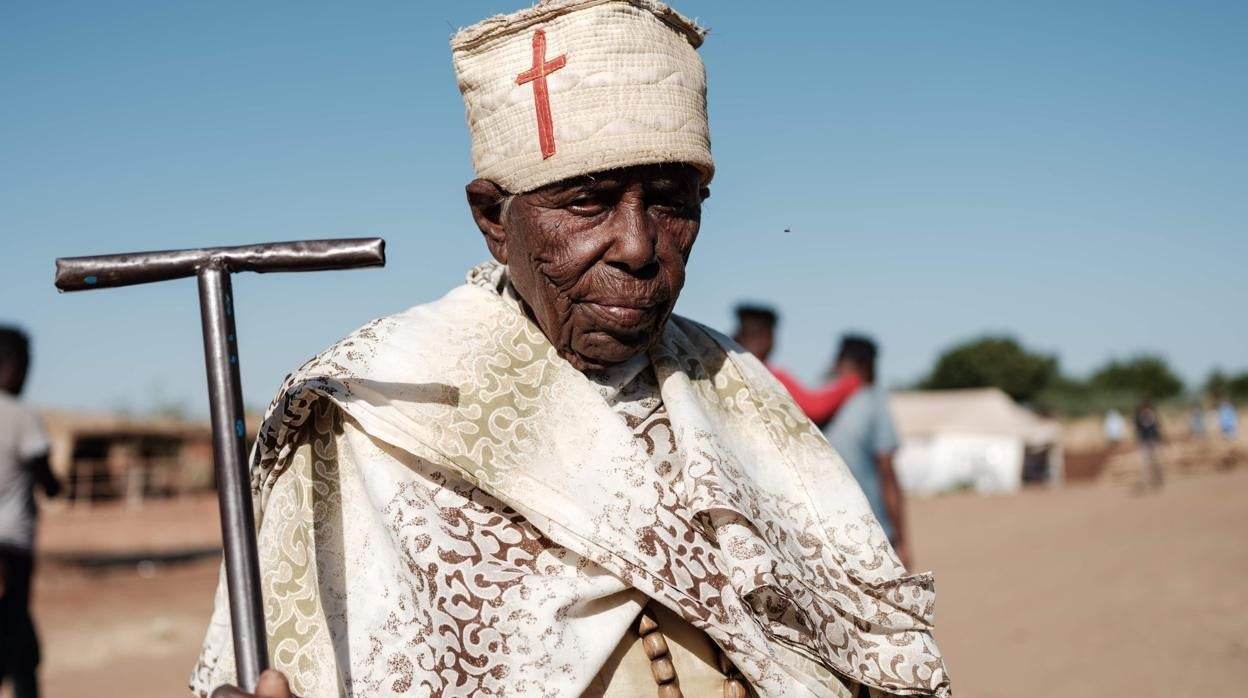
770, 542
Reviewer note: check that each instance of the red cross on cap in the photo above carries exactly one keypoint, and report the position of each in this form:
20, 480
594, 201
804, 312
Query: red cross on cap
541, 95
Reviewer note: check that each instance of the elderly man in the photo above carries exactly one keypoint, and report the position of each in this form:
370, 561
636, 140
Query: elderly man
545, 483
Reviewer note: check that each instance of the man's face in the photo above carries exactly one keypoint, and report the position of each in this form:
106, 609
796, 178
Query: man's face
846, 366
598, 260
759, 341
12, 376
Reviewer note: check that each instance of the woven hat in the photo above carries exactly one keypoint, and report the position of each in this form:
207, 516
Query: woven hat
573, 87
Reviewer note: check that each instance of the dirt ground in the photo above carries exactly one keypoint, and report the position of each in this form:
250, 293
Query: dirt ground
1093, 591
1087, 591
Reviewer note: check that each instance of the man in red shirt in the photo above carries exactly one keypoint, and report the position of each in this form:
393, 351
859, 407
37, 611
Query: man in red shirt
756, 332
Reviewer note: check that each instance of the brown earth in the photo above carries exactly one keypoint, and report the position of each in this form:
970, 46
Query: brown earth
1088, 591
1093, 591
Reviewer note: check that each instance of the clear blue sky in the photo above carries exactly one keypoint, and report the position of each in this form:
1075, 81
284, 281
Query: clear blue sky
1073, 173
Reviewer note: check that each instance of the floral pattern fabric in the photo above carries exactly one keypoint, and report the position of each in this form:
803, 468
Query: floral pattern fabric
446, 507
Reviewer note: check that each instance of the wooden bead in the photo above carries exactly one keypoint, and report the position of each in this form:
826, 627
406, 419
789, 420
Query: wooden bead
655, 645
663, 669
646, 624
670, 690
725, 664
734, 688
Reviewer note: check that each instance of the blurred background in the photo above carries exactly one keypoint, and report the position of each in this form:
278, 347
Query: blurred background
1036, 210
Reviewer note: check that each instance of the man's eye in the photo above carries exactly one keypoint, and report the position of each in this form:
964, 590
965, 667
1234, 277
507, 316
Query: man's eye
678, 207
584, 205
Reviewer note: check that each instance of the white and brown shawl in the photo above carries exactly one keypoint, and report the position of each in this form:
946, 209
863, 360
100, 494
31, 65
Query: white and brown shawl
447, 507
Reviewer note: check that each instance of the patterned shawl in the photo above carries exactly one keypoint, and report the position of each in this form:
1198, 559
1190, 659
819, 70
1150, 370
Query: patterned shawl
768, 545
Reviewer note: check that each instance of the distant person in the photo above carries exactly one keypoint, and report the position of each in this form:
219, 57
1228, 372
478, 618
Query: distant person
1115, 427
864, 435
23, 465
1148, 433
756, 332
1196, 421
1228, 419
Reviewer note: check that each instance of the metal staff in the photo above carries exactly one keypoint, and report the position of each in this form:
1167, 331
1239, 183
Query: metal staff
213, 267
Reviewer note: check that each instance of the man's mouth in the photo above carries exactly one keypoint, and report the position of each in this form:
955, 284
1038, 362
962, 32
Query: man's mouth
623, 313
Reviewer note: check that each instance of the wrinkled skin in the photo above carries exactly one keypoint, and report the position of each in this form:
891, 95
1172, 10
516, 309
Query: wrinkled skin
599, 261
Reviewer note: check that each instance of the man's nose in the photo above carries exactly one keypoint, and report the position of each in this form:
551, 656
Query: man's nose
634, 240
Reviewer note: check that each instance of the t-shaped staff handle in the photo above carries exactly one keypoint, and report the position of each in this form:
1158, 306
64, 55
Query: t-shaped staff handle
109, 270
213, 266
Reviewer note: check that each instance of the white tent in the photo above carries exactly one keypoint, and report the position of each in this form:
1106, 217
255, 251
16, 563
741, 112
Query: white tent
969, 439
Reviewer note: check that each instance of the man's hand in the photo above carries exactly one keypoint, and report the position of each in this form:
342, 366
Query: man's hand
894, 505
272, 684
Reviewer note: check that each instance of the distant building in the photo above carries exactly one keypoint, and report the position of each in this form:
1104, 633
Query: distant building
973, 439
104, 457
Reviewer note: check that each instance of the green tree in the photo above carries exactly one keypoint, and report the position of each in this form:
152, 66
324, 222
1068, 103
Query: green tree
1142, 375
1221, 385
1238, 387
1217, 385
999, 362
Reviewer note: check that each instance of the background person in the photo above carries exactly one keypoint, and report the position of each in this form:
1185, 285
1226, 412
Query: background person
1196, 420
1228, 419
23, 465
1148, 432
1115, 428
756, 333
1228, 423
864, 435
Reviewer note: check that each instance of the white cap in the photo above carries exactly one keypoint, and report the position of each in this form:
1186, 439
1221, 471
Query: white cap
573, 87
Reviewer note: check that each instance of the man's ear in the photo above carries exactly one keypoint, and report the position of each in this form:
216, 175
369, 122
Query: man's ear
485, 198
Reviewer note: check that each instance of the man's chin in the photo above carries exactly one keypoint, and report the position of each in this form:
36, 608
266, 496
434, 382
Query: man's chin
600, 349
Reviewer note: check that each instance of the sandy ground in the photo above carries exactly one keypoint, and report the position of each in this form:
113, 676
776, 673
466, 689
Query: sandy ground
1093, 591
1089, 591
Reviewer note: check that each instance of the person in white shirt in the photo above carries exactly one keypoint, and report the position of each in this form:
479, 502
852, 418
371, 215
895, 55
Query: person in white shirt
23, 466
